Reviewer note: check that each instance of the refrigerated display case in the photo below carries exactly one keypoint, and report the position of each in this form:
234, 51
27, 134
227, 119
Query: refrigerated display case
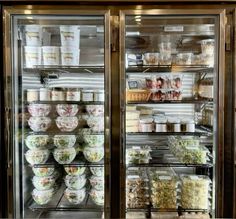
172, 90
57, 101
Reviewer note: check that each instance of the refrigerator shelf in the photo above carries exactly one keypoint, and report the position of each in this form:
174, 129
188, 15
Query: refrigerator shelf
67, 102
154, 164
180, 210
169, 68
66, 69
184, 101
52, 133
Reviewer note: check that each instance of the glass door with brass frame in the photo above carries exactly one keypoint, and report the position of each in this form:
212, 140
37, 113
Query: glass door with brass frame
172, 90
57, 67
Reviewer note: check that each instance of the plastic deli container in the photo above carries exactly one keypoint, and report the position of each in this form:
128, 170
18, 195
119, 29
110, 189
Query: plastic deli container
195, 191
151, 58
32, 95
99, 95
58, 94
51, 55
173, 124
184, 58
146, 125
138, 154
70, 56
32, 56
132, 114
207, 47
70, 35
164, 186
136, 192
161, 125
187, 125
33, 35
44, 94
73, 94
87, 95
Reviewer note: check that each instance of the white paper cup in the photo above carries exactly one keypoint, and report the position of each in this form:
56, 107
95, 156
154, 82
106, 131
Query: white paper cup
69, 56
51, 55
33, 35
70, 35
32, 56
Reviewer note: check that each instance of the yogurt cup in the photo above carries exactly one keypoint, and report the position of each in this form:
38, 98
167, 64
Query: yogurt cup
70, 35
69, 56
32, 56
33, 35
51, 55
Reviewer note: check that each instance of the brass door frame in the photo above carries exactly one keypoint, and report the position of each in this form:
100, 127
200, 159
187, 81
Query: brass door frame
219, 166
13, 200
234, 112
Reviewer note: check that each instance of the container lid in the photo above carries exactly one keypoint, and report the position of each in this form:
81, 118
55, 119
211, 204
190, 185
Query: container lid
173, 120
146, 120
160, 120
87, 91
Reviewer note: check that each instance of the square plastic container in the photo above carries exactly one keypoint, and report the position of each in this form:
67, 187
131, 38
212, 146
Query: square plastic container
70, 36
138, 154
151, 58
32, 56
70, 56
195, 191
51, 55
184, 58
33, 35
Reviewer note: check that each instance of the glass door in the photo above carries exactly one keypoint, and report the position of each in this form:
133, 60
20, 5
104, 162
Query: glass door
57, 70
172, 77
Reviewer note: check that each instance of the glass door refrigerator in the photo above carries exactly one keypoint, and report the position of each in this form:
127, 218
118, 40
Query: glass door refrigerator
172, 90
57, 112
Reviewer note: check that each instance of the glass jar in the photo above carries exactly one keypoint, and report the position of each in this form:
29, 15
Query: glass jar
73, 94
44, 94
146, 125
161, 124
32, 95
99, 95
58, 94
87, 95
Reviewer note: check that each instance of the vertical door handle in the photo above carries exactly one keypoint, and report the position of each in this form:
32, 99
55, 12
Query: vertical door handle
9, 149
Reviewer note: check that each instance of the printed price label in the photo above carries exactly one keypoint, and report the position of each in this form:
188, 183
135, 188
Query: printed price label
170, 28
164, 177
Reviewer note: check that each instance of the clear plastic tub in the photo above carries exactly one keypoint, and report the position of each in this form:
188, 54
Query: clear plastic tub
151, 58
33, 35
146, 125
138, 154
161, 124
70, 56
75, 182
51, 55
208, 46
184, 58
32, 56
70, 35
75, 196
195, 191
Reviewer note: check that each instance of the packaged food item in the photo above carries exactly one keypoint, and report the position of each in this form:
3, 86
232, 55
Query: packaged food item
87, 95
132, 115
97, 196
65, 155
208, 46
67, 109
194, 215
94, 140
75, 182
67, 124
146, 125
130, 129
159, 95
208, 116
99, 95
208, 60
39, 109
96, 123
64, 141
43, 171
176, 81
164, 189
165, 59
97, 171
206, 89
37, 156
197, 59
39, 124
70, 35
135, 215
134, 59
37, 141
157, 82
51, 55
135, 95
187, 124
97, 182
164, 215
136, 192
44, 94
184, 58
74, 171
161, 125
138, 154
194, 191
93, 154
70, 56
75, 196
173, 124
151, 58
95, 110
58, 94
32, 56
32, 95
73, 94
42, 197
43, 183
144, 110
33, 35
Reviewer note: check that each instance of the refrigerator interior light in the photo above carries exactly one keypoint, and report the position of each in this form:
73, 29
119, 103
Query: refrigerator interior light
133, 33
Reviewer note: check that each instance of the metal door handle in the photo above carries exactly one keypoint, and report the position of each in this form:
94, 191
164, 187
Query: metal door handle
9, 149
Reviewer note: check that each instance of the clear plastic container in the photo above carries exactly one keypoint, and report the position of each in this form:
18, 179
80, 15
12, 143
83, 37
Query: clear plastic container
138, 154
32, 95
32, 56
33, 35
75, 182
195, 191
44, 94
161, 124
58, 94
151, 58
99, 95
187, 125
75, 196
70, 56
146, 125
184, 58
51, 55
70, 35
73, 94
208, 46
87, 95
173, 124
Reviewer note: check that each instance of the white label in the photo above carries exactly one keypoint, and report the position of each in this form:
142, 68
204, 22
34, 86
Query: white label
133, 177
161, 171
136, 147
173, 28
164, 177
194, 177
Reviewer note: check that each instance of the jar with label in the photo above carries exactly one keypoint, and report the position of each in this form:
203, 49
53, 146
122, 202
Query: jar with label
87, 95
161, 124
99, 95
44, 94
32, 95
58, 94
73, 94
174, 124
146, 125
